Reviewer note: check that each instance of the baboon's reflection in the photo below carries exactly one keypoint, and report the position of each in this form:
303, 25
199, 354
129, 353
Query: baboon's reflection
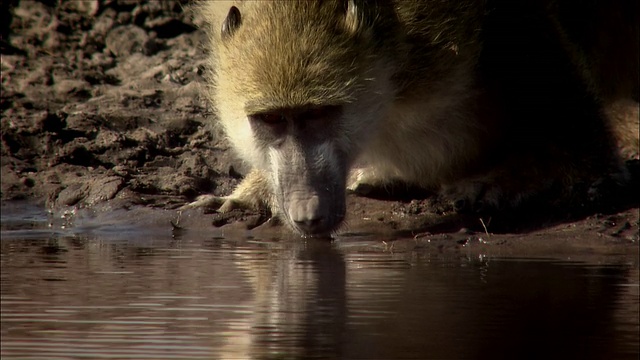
300, 300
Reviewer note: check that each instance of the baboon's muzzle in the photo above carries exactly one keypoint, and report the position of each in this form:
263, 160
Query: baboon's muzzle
314, 212
310, 189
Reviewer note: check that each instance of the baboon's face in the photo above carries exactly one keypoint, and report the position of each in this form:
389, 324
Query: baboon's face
300, 88
307, 163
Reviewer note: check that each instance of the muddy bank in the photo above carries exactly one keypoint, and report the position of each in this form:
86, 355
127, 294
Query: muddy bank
102, 109
101, 101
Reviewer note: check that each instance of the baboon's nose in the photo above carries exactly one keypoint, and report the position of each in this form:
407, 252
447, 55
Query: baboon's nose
308, 215
312, 226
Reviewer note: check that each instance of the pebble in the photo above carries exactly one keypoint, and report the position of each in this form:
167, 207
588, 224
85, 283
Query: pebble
128, 39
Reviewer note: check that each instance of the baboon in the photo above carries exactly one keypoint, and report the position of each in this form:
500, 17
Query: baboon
487, 102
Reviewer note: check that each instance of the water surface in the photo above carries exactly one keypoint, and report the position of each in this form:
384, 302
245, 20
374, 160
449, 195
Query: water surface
116, 293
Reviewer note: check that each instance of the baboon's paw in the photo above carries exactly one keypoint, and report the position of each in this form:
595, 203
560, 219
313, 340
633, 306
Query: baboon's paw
361, 189
223, 204
365, 182
205, 201
478, 196
230, 204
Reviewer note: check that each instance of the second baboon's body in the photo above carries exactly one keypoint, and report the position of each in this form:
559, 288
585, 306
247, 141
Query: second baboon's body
489, 102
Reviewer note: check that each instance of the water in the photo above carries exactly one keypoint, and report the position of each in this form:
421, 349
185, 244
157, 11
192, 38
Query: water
120, 294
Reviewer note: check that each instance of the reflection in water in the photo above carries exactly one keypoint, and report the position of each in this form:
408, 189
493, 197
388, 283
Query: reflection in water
66, 297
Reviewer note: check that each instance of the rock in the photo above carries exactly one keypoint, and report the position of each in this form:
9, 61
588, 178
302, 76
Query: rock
103, 24
11, 184
72, 87
49, 122
72, 194
104, 189
128, 39
97, 190
85, 7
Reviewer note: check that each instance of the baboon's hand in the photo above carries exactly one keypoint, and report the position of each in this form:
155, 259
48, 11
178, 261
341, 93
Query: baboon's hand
365, 181
222, 204
253, 193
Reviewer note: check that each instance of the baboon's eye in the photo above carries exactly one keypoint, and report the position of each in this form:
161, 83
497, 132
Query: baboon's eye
269, 127
270, 118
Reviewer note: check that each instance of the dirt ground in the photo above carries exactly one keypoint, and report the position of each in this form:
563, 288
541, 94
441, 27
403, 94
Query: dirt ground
102, 109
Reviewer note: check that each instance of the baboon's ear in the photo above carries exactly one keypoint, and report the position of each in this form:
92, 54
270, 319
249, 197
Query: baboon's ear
359, 14
231, 23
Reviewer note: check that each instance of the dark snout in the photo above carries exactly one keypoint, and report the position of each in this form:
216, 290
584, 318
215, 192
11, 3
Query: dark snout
315, 214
